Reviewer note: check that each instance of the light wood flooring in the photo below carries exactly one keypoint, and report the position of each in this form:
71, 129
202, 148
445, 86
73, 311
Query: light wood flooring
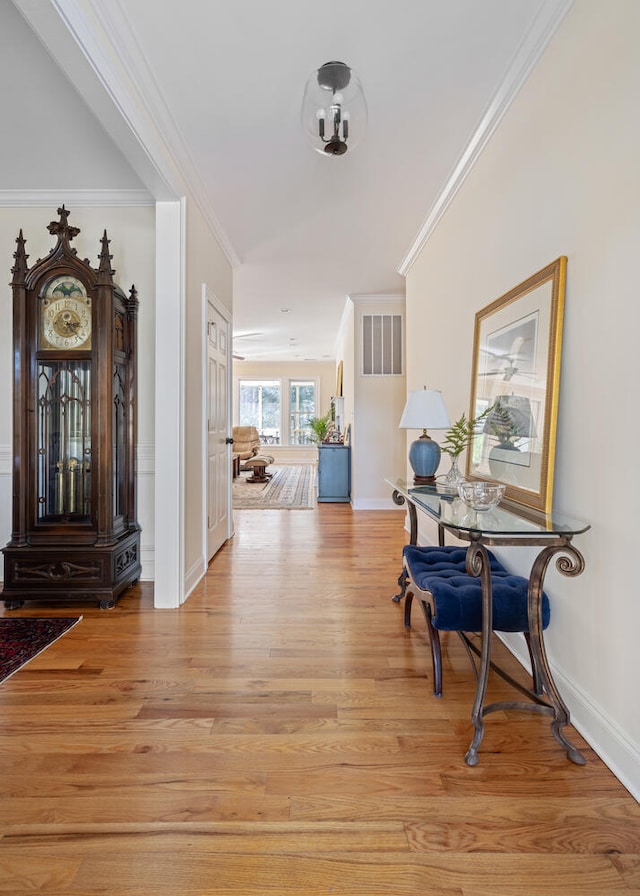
278, 735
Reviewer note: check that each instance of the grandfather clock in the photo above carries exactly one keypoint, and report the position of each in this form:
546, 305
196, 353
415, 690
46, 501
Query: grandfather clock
75, 535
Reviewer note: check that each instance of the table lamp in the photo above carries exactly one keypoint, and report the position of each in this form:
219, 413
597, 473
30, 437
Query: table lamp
424, 408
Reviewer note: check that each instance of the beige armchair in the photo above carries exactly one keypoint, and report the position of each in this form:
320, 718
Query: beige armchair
246, 441
246, 446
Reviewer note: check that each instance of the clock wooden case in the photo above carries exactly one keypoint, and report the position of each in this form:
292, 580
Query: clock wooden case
75, 535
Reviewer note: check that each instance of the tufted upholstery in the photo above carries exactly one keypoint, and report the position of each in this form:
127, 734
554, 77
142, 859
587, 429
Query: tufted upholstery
457, 596
451, 599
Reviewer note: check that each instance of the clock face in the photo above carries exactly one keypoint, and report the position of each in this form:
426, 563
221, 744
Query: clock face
65, 315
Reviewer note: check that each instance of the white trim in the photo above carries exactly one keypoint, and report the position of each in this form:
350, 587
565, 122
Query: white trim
373, 504
147, 561
169, 405
113, 74
6, 460
285, 403
392, 298
145, 458
194, 574
530, 50
92, 66
200, 567
74, 198
145, 470
347, 314
208, 298
6, 500
592, 721
166, 135
201, 563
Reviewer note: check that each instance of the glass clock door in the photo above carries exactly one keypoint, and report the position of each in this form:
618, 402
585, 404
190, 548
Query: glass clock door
64, 440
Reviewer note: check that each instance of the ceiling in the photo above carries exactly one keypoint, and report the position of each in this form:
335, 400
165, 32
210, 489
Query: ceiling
208, 94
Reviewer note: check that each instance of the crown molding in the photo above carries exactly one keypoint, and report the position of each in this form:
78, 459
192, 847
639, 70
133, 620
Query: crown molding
99, 53
164, 140
75, 198
378, 298
529, 52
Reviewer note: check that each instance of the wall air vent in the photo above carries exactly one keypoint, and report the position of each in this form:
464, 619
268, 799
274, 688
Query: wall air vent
382, 345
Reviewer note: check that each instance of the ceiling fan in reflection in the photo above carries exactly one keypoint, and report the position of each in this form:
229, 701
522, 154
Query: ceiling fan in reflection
510, 359
236, 356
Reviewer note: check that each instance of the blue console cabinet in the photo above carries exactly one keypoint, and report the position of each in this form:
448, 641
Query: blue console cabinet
334, 473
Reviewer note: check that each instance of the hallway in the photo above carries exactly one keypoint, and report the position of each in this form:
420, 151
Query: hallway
278, 735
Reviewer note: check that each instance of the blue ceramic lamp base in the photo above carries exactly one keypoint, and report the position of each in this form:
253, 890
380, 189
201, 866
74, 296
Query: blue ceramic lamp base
424, 457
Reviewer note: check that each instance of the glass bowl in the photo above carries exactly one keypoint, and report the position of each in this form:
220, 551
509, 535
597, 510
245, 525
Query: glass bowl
481, 495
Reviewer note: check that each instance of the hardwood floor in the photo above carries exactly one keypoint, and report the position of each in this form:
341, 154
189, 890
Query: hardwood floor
278, 735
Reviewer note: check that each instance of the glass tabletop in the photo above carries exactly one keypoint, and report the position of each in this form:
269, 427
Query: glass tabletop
442, 503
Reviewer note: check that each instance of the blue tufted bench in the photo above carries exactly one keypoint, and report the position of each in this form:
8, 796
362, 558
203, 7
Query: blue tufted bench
451, 599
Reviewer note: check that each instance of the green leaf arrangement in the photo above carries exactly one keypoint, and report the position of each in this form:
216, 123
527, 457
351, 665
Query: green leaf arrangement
320, 427
458, 437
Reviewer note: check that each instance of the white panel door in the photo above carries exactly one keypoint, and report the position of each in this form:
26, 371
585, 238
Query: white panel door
218, 429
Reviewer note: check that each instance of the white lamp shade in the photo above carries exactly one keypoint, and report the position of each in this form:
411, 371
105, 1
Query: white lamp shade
424, 409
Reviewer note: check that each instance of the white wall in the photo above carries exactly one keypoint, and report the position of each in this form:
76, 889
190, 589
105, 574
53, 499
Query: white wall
131, 231
378, 446
205, 263
346, 352
41, 103
560, 177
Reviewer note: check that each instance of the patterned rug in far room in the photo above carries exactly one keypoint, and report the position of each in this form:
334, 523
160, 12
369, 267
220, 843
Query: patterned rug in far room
292, 487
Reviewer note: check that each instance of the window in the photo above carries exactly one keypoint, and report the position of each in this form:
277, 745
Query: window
280, 409
302, 407
259, 406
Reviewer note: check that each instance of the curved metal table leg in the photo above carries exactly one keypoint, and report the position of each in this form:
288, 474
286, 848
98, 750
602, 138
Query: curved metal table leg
478, 563
571, 563
413, 538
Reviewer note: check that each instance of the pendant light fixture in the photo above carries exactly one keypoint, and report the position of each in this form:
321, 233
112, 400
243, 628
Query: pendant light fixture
334, 110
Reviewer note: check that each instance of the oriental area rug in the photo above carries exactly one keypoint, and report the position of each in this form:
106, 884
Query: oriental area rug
24, 637
292, 487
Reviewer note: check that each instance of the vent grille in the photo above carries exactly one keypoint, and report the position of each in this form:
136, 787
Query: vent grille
381, 344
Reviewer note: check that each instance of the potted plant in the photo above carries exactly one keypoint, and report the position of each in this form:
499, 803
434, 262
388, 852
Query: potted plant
456, 440
320, 427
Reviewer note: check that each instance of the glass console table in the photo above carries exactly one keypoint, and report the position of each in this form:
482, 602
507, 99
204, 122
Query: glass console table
504, 525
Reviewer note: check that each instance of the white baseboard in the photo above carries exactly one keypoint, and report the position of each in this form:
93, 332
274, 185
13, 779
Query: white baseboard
374, 504
600, 732
147, 561
194, 575
292, 454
